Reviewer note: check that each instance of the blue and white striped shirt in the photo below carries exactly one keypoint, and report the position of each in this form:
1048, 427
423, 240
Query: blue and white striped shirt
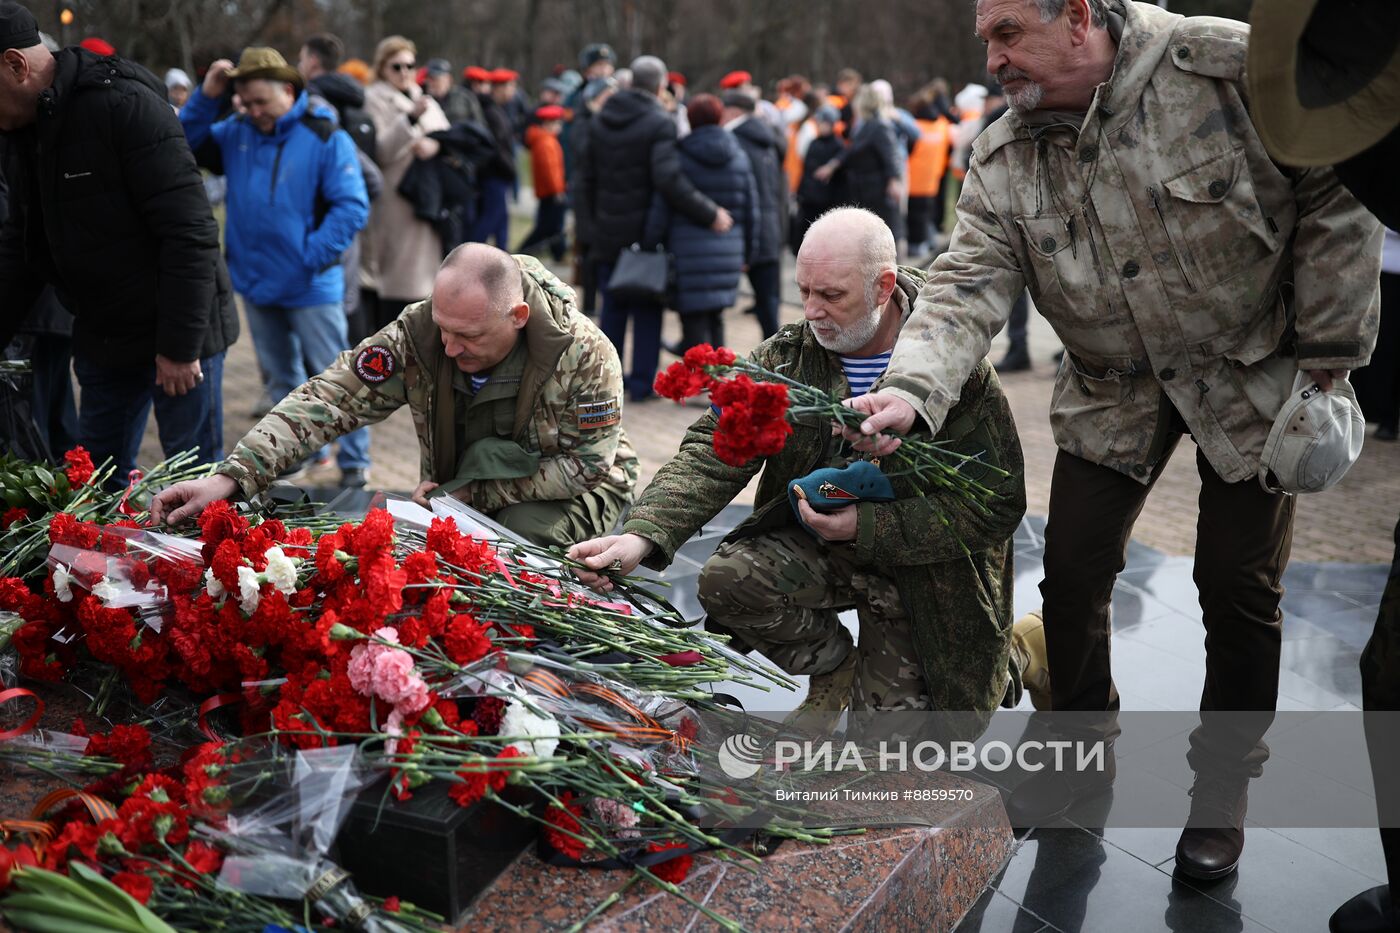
478, 381
862, 371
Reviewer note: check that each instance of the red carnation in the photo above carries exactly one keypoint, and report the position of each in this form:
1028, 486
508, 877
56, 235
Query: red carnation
702, 355
751, 421
10, 859
560, 821
675, 869
220, 521
204, 859
65, 529
391, 904
137, 885
73, 835
679, 382
80, 468
375, 535
420, 566
130, 745
13, 515
466, 640
328, 565
487, 714
498, 776
471, 789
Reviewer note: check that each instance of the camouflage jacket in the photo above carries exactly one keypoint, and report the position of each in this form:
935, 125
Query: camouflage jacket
1177, 263
959, 601
567, 416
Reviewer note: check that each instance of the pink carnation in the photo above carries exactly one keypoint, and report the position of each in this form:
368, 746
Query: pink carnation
362, 659
396, 681
387, 673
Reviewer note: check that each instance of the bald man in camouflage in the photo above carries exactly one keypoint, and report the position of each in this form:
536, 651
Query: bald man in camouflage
929, 575
516, 397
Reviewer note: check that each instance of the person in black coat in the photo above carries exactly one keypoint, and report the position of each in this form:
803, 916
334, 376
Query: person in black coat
766, 149
631, 153
496, 177
870, 165
109, 207
708, 264
815, 196
46, 340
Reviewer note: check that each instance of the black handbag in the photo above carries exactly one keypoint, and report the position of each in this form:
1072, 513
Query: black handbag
640, 276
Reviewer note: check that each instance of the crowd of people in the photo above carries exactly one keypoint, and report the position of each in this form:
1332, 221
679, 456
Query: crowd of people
1199, 272
330, 235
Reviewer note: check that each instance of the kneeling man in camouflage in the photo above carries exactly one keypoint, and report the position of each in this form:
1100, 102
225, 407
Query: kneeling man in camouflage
935, 619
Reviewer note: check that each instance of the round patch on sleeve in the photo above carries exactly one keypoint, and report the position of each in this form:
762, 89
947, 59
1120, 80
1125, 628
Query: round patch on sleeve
375, 364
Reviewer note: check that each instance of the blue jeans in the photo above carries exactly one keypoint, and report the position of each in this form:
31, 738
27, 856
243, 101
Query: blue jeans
646, 334
283, 337
493, 215
117, 402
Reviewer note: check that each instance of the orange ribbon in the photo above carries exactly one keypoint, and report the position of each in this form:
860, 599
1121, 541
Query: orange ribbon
645, 730
97, 808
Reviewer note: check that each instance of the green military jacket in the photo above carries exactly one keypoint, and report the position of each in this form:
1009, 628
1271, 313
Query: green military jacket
959, 602
1178, 264
554, 414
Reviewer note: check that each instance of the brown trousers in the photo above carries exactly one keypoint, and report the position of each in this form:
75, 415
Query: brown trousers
1243, 536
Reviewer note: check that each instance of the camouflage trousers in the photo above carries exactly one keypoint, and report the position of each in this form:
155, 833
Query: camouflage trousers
564, 521
781, 593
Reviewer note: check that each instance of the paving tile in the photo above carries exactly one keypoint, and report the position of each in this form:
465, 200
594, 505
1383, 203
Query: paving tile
1357, 849
1076, 881
1284, 885
1327, 662
996, 913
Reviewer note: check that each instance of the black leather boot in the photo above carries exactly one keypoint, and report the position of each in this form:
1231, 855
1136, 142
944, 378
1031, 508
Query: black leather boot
1048, 795
1370, 911
1017, 359
1210, 846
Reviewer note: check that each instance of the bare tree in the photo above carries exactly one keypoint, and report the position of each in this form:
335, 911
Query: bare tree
906, 41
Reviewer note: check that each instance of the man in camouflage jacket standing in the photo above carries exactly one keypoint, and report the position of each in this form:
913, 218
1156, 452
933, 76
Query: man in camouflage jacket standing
935, 619
516, 396
1190, 279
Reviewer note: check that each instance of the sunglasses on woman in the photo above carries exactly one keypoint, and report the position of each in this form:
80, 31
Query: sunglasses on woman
402, 66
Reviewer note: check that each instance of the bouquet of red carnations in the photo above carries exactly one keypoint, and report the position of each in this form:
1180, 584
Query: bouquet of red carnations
434, 655
753, 404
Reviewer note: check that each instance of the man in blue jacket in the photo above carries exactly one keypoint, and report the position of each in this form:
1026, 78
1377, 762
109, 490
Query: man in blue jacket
296, 199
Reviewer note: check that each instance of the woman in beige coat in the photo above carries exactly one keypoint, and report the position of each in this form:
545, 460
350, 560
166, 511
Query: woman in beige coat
404, 251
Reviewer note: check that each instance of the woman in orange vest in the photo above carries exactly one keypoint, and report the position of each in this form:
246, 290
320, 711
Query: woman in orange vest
928, 163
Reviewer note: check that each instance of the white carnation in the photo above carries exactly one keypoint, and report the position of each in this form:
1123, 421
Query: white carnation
212, 585
543, 730
106, 591
63, 584
281, 571
248, 584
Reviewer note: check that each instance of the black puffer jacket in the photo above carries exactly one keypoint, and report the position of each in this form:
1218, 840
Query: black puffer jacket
111, 210
708, 264
867, 166
766, 151
631, 152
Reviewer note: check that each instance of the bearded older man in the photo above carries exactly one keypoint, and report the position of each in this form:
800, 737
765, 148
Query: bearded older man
935, 619
1190, 279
